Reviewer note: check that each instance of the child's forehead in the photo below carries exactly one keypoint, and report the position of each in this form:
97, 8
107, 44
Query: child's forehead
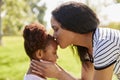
52, 42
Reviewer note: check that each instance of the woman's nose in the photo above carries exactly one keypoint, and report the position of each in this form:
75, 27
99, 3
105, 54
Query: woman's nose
54, 35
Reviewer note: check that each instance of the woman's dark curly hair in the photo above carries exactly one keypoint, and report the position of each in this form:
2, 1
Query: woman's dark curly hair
35, 38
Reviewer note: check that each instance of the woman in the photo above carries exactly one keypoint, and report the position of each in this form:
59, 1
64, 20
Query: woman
98, 48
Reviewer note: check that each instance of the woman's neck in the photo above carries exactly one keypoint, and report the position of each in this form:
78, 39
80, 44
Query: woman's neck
84, 40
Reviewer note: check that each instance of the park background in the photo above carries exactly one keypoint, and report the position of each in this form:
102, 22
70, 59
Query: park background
15, 14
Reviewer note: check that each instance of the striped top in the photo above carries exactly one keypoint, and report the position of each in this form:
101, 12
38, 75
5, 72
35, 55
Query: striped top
106, 49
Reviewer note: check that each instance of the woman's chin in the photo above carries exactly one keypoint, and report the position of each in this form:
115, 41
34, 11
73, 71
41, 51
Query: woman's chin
62, 46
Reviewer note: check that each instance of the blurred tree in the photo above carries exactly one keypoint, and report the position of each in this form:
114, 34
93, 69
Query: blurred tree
118, 1
115, 25
0, 24
16, 14
38, 9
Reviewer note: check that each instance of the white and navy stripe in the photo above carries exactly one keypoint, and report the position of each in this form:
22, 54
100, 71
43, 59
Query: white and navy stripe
106, 48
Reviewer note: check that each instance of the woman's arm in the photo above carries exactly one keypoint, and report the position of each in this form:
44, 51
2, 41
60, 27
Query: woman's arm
87, 72
90, 73
104, 74
52, 70
66, 76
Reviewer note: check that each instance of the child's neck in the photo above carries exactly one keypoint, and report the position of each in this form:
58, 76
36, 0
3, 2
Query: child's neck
30, 72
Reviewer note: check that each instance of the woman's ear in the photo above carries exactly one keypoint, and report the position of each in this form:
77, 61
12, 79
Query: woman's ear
39, 54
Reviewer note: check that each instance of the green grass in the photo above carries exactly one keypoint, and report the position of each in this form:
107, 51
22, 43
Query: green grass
14, 62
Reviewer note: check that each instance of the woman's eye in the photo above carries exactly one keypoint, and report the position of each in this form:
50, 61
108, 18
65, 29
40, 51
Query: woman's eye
56, 29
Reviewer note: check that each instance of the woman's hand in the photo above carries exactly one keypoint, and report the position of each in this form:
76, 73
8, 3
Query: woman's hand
47, 69
50, 70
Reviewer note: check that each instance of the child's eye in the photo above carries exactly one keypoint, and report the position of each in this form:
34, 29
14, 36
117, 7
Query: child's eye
54, 53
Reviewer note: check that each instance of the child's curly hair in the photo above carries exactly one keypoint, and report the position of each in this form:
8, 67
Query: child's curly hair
35, 37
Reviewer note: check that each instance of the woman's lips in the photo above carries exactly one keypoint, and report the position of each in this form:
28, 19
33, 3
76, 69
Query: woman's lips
57, 41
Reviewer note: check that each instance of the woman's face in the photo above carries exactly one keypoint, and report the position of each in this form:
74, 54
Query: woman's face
63, 37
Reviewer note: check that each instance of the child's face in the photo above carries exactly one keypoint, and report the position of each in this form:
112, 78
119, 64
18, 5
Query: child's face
50, 53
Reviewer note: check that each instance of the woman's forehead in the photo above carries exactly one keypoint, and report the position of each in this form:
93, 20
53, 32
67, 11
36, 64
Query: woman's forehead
54, 22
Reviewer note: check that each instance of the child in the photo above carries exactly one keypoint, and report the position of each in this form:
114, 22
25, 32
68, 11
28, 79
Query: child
39, 46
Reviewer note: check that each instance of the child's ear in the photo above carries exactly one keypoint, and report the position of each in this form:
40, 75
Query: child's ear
39, 54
